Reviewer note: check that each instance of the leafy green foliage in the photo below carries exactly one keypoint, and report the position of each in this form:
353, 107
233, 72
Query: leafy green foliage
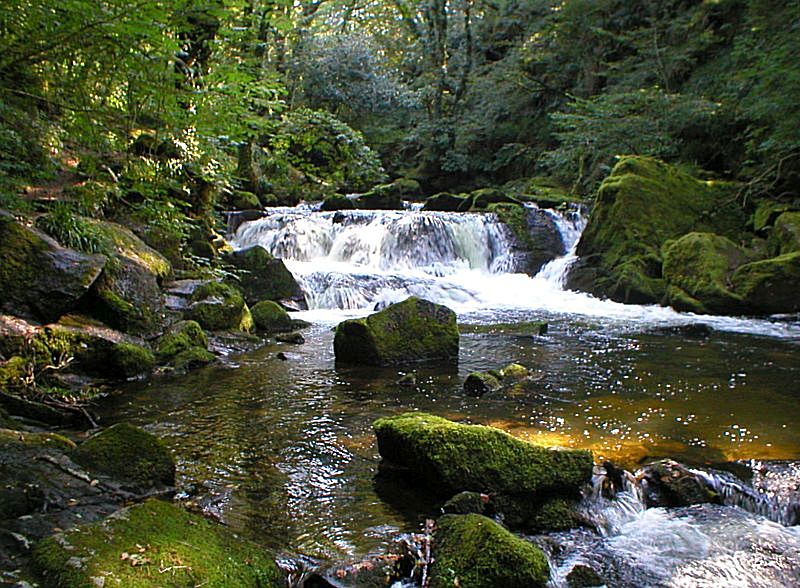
71, 230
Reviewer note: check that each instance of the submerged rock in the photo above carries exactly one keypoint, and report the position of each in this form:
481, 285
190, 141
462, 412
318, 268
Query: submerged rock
153, 544
128, 454
642, 204
668, 483
480, 383
473, 551
582, 576
409, 331
449, 457
39, 279
184, 346
263, 277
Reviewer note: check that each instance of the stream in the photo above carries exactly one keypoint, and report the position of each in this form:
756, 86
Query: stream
282, 450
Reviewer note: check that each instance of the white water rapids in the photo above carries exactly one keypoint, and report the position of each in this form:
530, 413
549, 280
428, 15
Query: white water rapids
352, 262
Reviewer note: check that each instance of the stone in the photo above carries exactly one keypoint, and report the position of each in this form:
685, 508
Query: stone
473, 551
337, 202
389, 196
770, 286
134, 545
444, 202
270, 317
129, 455
480, 383
39, 279
293, 338
218, 307
409, 331
262, 276
785, 235
668, 483
244, 200
537, 238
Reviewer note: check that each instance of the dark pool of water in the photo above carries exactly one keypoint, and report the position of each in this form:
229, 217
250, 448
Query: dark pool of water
283, 451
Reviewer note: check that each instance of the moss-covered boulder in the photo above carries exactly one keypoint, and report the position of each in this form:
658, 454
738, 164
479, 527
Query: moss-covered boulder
482, 198
475, 552
127, 295
153, 544
219, 307
270, 317
260, 276
336, 202
449, 457
698, 268
785, 235
128, 455
766, 213
39, 279
244, 200
444, 202
480, 383
409, 331
180, 337
389, 196
642, 204
770, 286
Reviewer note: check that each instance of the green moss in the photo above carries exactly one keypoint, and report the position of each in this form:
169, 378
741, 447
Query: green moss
766, 213
697, 268
181, 337
473, 551
555, 514
243, 200
785, 235
480, 383
445, 202
35, 439
131, 247
269, 316
131, 359
154, 544
14, 374
466, 503
129, 455
409, 331
191, 358
513, 372
260, 276
450, 457
770, 286
218, 307
515, 217
484, 198
640, 205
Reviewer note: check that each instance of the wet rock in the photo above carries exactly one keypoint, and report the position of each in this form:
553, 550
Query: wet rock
39, 279
238, 218
270, 317
389, 196
128, 454
444, 202
472, 550
293, 338
219, 307
467, 503
480, 383
582, 576
244, 200
408, 380
184, 346
150, 544
537, 238
698, 330
668, 483
785, 235
641, 205
482, 198
449, 457
337, 202
263, 277
409, 331
770, 286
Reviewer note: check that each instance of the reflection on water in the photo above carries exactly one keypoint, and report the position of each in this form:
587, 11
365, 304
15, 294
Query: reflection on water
283, 451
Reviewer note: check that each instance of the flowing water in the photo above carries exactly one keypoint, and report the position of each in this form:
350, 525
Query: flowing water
283, 451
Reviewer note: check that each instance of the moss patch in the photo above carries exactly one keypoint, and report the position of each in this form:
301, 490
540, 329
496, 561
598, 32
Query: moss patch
131, 360
785, 235
450, 457
269, 316
154, 544
129, 455
474, 551
219, 307
770, 286
409, 331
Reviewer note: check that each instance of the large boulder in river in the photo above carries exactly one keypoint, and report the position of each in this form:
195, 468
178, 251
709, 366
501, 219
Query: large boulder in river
538, 239
153, 544
127, 294
409, 331
449, 457
474, 551
219, 307
642, 204
260, 276
39, 279
698, 269
389, 196
770, 286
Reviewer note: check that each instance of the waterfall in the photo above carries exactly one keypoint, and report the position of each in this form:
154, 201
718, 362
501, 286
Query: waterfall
570, 226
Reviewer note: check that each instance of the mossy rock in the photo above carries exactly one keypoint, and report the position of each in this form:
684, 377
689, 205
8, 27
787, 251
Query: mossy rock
262, 276
243, 200
127, 245
389, 196
409, 331
770, 286
698, 268
473, 551
133, 546
219, 307
179, 338
482, 198
444, 202
191, 358
785, 235
480, 383
132, 360
14, 374
536, 234
555, 513
270, 317
449, 457
129, 455
582, 576
337, 202
39, 278
641, 205
767, 212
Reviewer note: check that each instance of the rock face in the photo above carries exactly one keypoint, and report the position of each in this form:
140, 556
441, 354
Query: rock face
449, 458
39, 279
129, 455
409, 331
472, 550
642, 204
698, 269
263, 277
195, 552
